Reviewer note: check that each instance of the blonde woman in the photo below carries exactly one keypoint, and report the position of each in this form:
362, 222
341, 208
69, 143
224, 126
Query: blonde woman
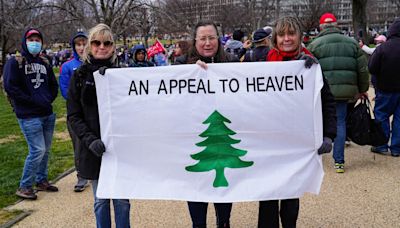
84, 118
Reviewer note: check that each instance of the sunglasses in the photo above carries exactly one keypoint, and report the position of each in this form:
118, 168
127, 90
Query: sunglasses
97, 43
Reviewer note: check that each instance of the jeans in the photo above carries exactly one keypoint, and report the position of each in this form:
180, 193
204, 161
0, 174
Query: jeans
103, 213
198, 213
386, 105
338, 146
268, 213
38, 133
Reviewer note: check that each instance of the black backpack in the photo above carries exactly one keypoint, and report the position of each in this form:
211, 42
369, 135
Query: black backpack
362, 128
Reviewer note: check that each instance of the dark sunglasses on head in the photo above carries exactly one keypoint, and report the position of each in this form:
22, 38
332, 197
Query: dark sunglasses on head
97, 43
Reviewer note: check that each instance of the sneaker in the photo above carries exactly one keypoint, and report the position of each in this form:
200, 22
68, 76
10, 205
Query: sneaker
395, 155
81, 185
347, 143
376, 150
46, 186
339, 167
26, 193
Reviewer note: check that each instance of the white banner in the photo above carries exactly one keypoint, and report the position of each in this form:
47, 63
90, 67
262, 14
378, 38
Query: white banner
234, 132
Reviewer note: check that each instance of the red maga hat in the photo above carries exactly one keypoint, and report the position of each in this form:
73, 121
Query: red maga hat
32, 32
327, 18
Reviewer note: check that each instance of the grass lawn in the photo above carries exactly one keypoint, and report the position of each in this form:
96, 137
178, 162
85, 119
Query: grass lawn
13, 149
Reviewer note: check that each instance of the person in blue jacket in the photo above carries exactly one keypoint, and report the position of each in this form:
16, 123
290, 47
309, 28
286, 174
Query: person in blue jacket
139, 57
30, 84
78, 43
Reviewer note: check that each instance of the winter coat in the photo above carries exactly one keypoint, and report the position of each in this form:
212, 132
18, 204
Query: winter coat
83, 115
135, 62
385, 61
257, 54
30, 84
68, 68
343, 63
235, 47
328, 101
183, 59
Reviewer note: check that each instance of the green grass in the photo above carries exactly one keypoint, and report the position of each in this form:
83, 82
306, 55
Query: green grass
13, 153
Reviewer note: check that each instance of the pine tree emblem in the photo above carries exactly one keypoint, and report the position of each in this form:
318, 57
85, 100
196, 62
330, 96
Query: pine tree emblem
219, 152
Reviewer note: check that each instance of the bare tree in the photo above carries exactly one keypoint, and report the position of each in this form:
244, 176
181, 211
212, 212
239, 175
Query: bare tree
360, 19
15, 17
116, 13
309, 11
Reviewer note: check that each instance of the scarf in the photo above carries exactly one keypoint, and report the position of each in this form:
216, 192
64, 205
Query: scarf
276, 55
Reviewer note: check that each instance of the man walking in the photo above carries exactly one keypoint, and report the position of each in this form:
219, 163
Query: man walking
384, 64
32, 87
345, 67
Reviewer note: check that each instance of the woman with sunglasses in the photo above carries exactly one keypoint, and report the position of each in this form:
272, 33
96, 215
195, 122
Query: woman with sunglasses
84, 118
207, 48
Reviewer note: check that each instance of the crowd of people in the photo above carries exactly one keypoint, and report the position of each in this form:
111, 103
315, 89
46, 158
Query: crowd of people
32, 87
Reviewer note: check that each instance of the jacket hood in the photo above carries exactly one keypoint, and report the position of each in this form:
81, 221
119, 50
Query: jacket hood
233, 44
79, 34
24, 50
394, 29
137, 48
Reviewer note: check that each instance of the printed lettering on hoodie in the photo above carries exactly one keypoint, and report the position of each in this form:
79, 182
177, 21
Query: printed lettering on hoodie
38, 69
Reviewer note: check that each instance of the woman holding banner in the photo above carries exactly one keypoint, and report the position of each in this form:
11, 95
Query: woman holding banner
83, 115
207, 48
286, 41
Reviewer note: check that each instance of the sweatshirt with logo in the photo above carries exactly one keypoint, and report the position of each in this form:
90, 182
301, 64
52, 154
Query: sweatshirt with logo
30, 84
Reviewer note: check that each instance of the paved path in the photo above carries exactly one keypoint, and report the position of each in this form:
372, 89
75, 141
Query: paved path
366, 195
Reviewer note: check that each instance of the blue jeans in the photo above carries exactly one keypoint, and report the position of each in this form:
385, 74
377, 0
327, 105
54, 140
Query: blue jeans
103, 214
338, 146
386, 105
38, 133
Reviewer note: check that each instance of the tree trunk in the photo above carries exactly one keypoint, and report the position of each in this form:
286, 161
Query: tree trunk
360, 19
220, 180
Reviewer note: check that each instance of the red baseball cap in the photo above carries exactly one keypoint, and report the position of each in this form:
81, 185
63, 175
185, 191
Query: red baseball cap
327, 18
32, 32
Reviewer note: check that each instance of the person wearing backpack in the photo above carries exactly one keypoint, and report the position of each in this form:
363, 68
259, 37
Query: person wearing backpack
261, 40
235, 46
31, 85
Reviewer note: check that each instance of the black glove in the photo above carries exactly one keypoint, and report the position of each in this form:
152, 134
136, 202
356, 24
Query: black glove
97, 147
102, 70
326, 146
309, 60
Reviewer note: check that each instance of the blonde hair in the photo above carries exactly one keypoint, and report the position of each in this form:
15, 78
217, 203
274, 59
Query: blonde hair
100, 30
286, 24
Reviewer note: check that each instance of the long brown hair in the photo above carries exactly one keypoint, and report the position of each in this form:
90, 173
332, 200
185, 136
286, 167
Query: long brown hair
194, 55
184, 46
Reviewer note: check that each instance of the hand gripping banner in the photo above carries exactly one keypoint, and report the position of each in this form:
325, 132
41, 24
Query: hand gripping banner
234, 132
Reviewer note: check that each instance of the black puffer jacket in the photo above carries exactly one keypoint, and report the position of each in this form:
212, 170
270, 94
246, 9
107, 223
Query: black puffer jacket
84, 116
385, 61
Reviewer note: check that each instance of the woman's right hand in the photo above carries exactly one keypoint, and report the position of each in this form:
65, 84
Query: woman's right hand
202, 64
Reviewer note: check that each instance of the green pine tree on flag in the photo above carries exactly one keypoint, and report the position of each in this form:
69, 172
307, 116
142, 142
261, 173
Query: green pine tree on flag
219, 152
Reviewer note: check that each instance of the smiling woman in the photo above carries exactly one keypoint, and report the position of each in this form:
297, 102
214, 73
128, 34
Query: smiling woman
83, 115
206, 46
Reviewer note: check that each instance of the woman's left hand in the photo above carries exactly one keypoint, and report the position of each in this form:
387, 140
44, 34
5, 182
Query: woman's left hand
309, 60
202, 64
